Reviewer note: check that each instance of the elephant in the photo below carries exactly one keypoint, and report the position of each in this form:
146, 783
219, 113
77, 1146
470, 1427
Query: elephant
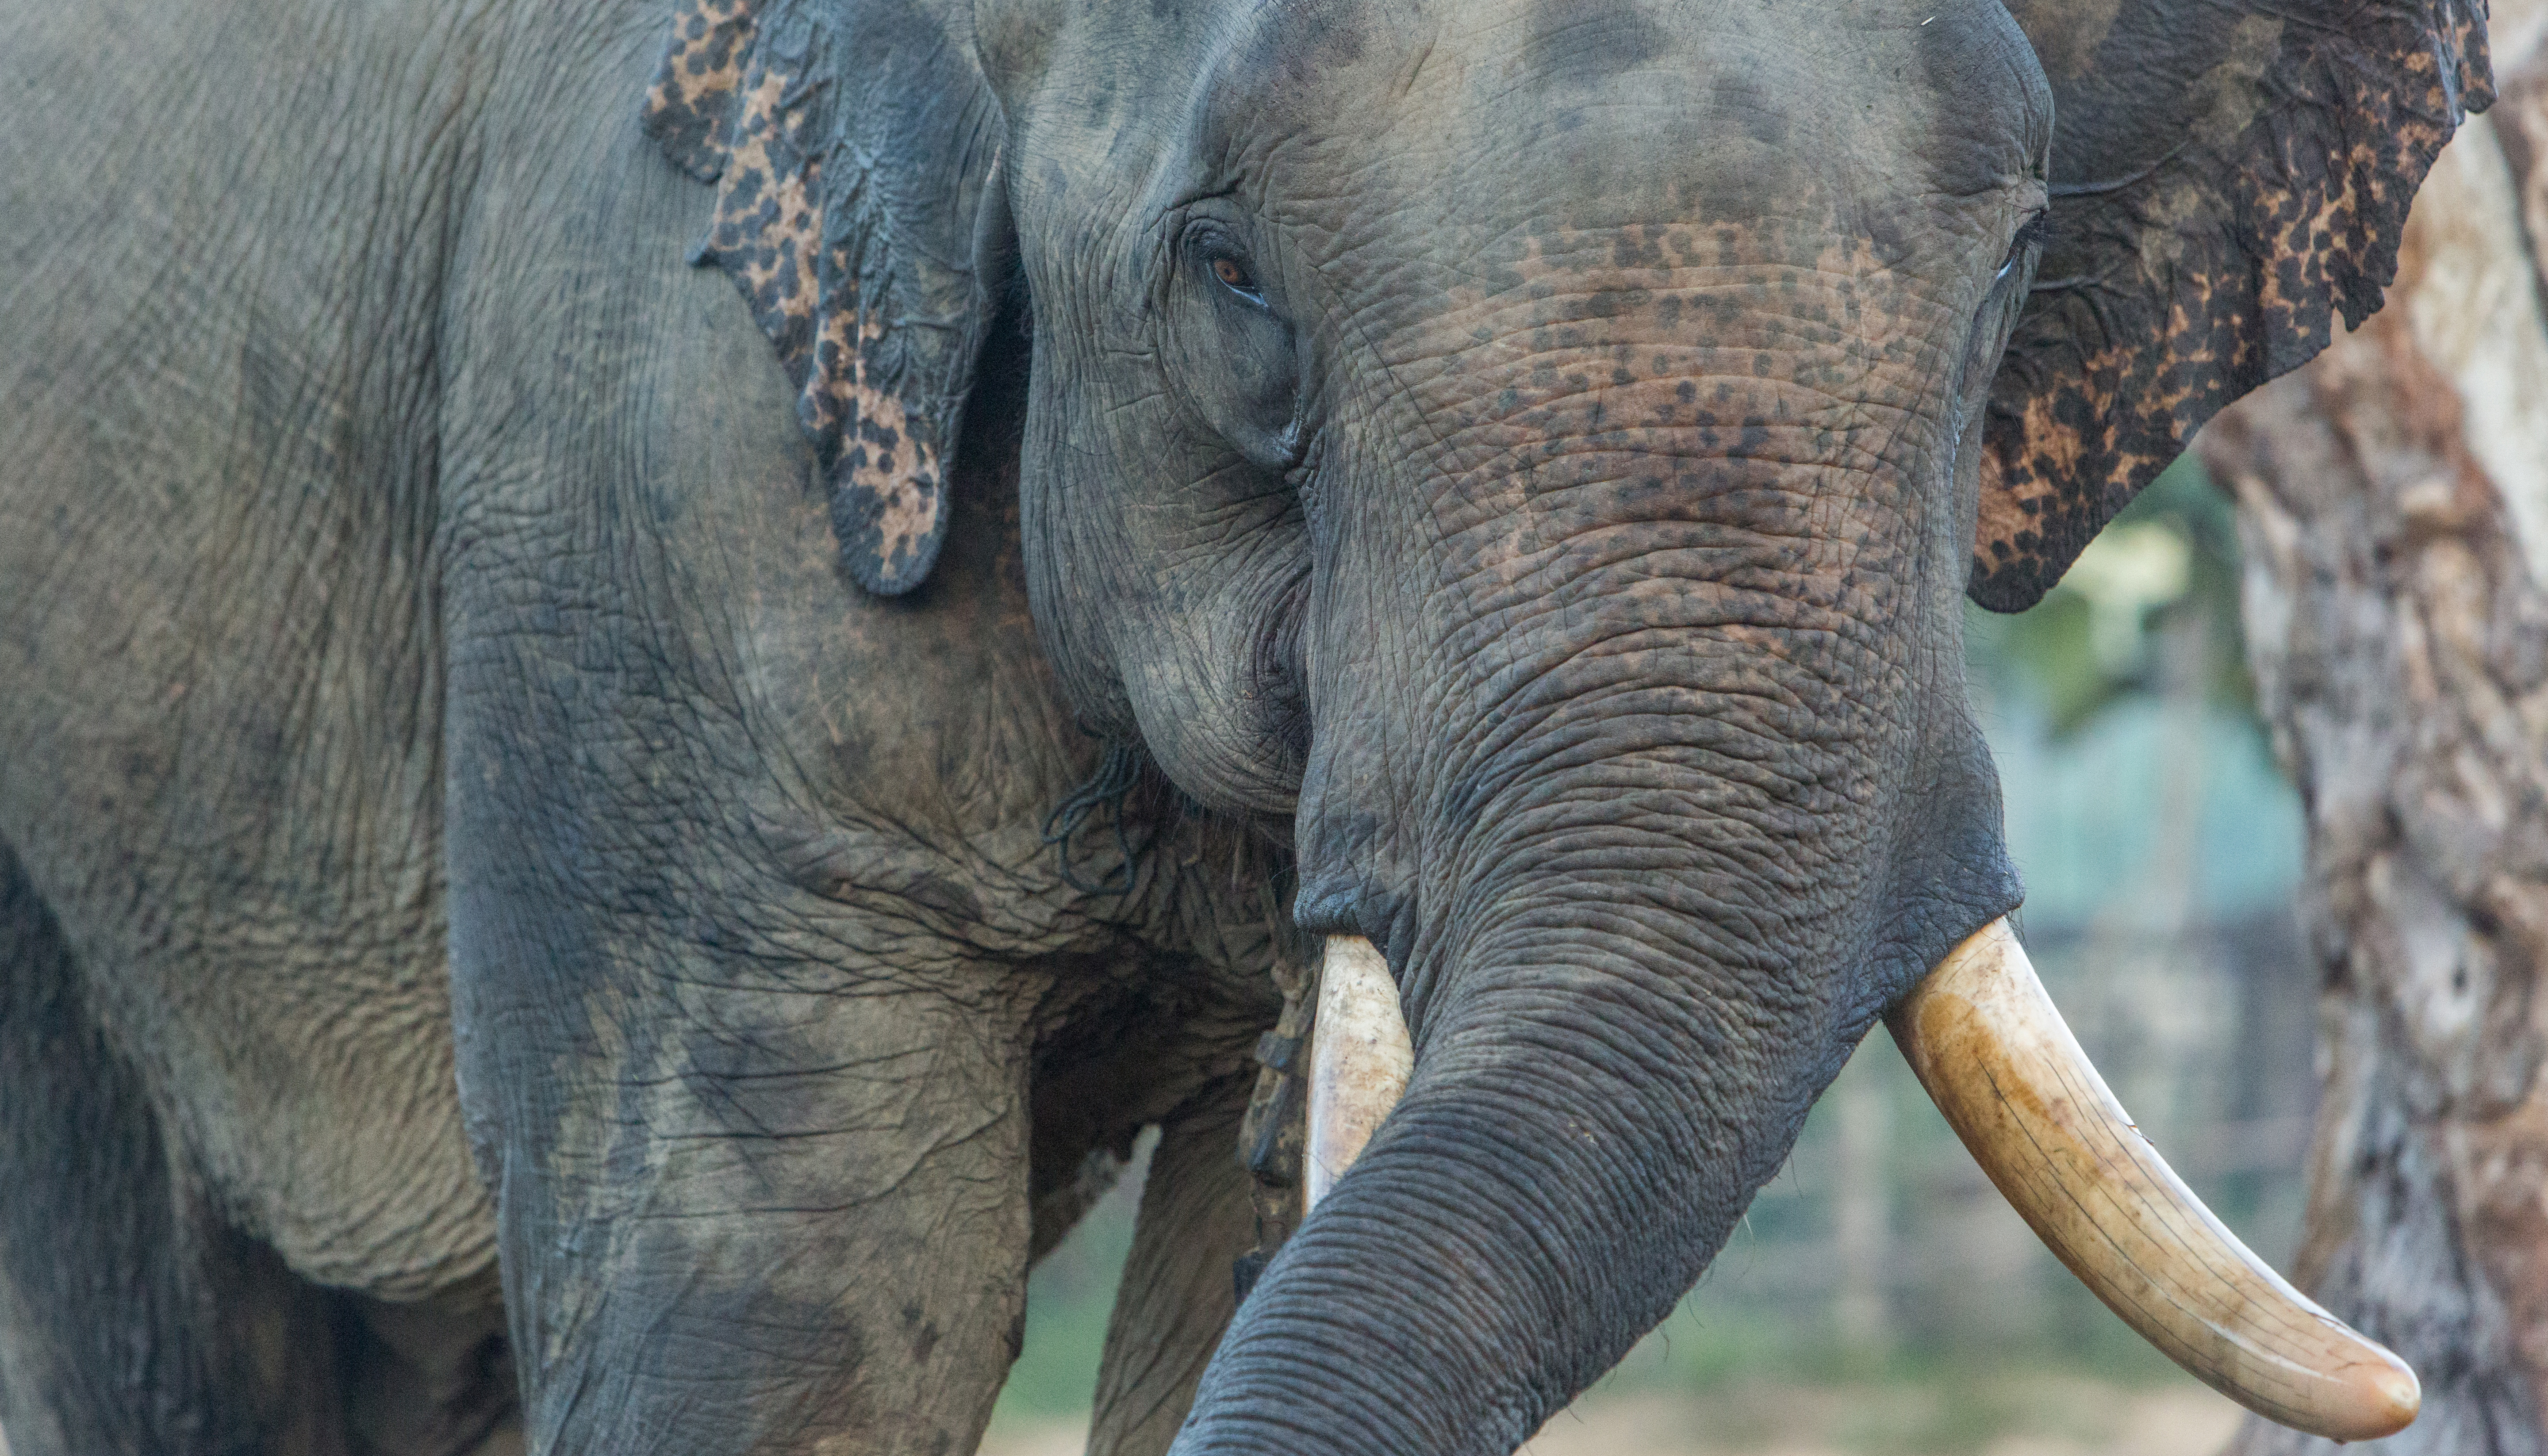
669, 663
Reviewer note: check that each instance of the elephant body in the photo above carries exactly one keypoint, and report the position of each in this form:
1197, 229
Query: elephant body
296, 478
664, 667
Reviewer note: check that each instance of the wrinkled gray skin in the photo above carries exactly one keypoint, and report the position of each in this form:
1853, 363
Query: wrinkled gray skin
423, 649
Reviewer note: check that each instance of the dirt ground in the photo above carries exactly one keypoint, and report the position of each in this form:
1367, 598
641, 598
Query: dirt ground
2049, 1416
2011, 1417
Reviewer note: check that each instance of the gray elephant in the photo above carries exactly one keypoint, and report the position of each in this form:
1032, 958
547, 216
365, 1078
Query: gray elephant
591, 863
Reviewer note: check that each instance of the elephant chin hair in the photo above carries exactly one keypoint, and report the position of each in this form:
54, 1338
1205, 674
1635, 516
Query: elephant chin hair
2003, 1067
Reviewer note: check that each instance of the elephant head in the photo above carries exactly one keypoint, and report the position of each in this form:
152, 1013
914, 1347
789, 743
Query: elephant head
1530, 454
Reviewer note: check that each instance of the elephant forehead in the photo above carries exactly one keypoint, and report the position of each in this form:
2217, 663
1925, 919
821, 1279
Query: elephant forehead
1643, 108
1575, 334
1673, 401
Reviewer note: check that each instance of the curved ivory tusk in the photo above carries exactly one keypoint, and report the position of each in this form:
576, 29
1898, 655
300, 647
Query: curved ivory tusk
2006, 1071
1359, 1059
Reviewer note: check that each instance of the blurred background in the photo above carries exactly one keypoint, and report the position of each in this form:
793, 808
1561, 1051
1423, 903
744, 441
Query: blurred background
1881, 1296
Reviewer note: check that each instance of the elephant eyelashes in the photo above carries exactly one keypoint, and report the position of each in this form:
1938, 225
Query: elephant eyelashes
1233, 275
2035, 232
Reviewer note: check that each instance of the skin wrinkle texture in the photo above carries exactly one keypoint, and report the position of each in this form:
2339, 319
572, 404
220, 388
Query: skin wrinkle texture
690, 667
448, 607
1507, 361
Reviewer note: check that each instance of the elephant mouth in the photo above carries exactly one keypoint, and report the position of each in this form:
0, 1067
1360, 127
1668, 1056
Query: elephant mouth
2000, 1064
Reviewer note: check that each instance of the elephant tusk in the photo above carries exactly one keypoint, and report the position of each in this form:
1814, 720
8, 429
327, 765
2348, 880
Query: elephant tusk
2000, 1064
1359, 1059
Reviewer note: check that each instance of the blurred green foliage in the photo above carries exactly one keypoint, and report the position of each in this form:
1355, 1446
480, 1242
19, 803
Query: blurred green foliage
1069, 1298
2171, 556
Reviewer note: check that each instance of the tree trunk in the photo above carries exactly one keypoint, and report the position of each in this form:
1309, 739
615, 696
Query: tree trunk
2394, 510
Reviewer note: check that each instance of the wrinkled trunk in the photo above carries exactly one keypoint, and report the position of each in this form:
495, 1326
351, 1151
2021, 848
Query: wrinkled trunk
1621, 706
2393, 504
1513, 1228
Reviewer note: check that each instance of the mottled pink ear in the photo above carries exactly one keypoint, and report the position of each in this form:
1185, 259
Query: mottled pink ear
852, 143
2226, 176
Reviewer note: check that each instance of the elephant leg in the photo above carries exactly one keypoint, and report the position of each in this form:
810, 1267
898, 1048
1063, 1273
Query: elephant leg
767, 1221
130, 1320
1176, 1295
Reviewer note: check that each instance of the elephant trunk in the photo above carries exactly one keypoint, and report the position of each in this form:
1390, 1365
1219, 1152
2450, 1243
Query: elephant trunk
1625, 701
1577, 1139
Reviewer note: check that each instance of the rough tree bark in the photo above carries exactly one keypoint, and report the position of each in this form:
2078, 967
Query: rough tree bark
2394, 510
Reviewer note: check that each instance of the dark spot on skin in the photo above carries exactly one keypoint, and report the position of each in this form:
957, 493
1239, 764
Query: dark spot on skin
1739, 100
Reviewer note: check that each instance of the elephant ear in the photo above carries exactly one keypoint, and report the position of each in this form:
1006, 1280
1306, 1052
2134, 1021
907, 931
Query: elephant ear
2225, 175
854, 144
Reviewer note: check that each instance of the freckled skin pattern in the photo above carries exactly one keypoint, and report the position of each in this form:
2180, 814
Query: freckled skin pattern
558, 559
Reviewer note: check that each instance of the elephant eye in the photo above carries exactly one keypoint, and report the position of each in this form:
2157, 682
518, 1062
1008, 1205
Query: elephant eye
1233, 275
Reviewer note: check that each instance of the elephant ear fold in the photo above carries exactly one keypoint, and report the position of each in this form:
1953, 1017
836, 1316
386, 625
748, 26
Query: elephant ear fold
2225, 175
855, 146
